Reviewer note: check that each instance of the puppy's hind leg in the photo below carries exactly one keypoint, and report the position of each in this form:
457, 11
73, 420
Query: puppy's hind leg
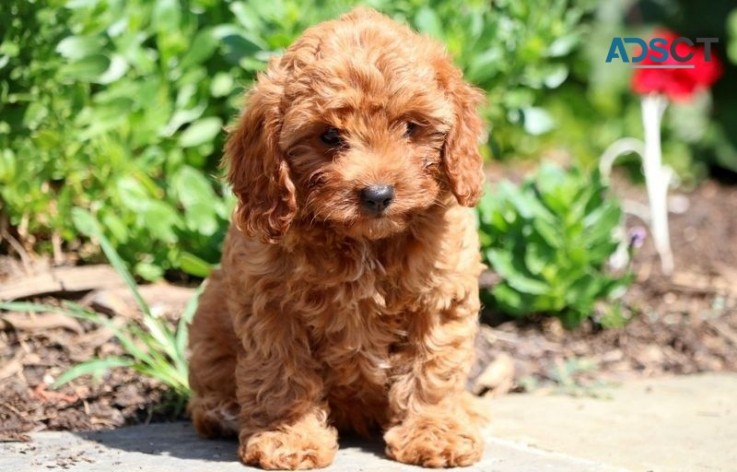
212, 343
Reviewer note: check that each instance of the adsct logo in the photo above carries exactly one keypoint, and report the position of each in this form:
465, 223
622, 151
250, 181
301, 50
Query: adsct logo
657, 53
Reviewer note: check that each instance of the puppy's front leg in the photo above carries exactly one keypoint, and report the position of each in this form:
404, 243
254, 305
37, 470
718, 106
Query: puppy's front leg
433, 423
283, 418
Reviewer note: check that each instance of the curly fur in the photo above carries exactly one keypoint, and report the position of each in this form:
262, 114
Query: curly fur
325, 318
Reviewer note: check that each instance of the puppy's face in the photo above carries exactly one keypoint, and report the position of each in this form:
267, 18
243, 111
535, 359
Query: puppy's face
364, 140
360, 126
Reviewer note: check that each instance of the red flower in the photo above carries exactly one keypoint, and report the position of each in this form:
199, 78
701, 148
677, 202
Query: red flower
679, 83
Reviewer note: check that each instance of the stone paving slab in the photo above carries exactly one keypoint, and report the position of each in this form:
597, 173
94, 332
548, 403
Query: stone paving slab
175, 447
678, 424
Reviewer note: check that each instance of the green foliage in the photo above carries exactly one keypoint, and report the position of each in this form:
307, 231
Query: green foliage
117, 106
732, 31
549, 240
151, 348
105, 106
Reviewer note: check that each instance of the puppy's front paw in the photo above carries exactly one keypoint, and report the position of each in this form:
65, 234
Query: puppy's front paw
434, 442
290, 449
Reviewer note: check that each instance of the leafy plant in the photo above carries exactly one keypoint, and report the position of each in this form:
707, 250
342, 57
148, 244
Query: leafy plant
105, 106
151, 348
549, 240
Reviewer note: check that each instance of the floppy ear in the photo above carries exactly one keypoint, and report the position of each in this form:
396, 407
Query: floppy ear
461, 157
256, 166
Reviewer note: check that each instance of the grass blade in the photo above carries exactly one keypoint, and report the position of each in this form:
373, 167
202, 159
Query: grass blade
29, 307
94, 367
88, 224
182, 334
127, 340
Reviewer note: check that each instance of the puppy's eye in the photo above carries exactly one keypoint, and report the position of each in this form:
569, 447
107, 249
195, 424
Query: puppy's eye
331, 137
410, 129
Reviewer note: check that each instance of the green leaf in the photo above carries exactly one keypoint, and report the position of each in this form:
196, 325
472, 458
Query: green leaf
584, 291
485, 66
732, 45
28, 307
94, 367
193, 265
511, 300
549, 232
246, 16
201, 131
562, 45
116, 227
222, 84
238, 46
192, 187
537, 255
7, 165
77, 47
182, 117
182, 334
203, 47
555, 76
601, 223
117, 68
87, 69
132, 194
513, 273
161, 335
161, 220
35, 114
537, 121
166, 15
201, 218
427, 22
149, 271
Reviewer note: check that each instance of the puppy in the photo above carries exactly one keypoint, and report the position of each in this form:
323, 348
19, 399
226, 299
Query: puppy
347, 298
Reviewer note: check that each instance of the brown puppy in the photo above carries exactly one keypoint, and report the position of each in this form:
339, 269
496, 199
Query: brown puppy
347, 296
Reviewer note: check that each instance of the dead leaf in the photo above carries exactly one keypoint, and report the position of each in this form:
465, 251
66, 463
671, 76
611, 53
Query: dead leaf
50, 396
96, 338
13, 366
112, 302
497, 378
61, 279
41, 321
164, 299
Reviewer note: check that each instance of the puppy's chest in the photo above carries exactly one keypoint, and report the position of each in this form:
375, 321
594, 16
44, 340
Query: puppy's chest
362, 350
359, 340
361, 325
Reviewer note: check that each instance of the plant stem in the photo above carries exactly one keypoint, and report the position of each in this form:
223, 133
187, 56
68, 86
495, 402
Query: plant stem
618, 148
657, 178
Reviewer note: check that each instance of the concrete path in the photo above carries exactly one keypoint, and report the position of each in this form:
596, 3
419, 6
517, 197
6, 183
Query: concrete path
681, 424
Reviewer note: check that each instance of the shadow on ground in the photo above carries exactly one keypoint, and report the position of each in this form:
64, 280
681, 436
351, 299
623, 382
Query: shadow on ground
179, 440
169, 439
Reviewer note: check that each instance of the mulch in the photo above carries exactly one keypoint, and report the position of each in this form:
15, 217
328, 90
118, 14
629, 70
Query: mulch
679, 325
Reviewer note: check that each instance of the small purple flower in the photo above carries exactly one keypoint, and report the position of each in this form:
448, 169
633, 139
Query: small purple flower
637, 237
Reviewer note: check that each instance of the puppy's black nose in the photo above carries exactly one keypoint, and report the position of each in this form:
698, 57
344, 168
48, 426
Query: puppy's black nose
376, 198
